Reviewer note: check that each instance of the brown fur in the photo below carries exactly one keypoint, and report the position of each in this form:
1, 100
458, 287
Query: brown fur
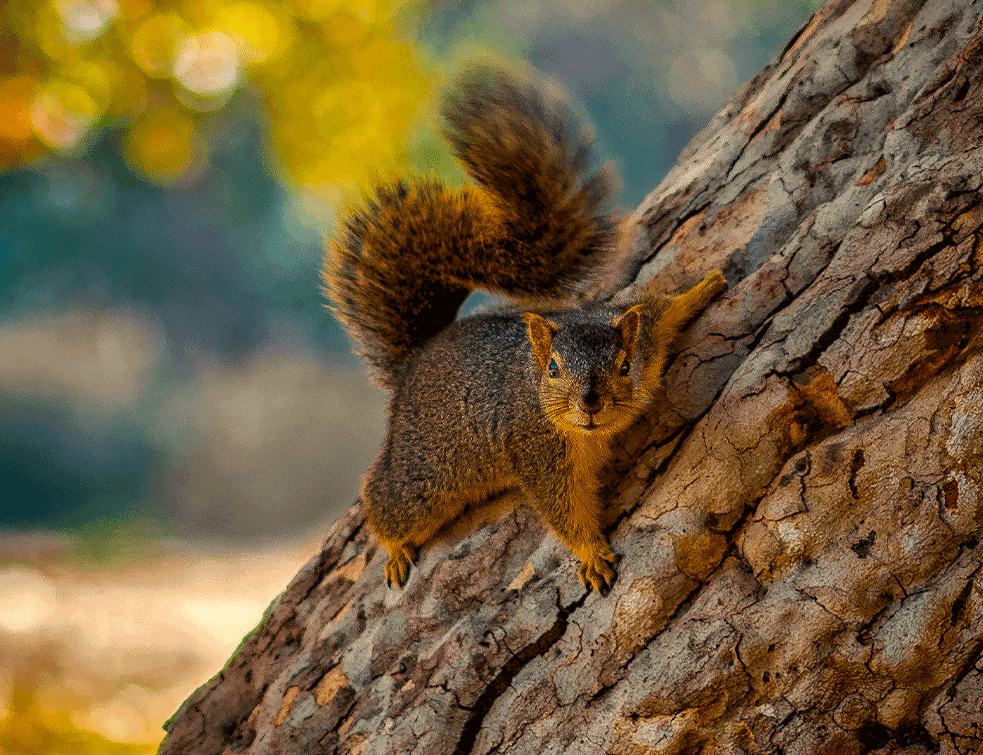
524, 399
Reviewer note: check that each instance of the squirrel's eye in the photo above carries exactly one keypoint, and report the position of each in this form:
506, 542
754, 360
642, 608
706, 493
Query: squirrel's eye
552, 369
625, 368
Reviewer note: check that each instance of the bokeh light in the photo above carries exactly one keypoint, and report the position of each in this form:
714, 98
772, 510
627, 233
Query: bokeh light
207, 64
162, 74
62, 113
84, 20
261, 33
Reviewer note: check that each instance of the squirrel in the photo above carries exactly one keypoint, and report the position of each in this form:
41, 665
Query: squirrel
524, 397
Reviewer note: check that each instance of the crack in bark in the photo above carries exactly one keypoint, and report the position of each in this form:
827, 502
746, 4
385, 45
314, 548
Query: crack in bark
680, 608
494, 689
858, 301
652, 221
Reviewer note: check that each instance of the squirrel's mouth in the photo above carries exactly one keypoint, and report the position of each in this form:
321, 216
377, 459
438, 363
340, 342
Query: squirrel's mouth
586, 421
606, 420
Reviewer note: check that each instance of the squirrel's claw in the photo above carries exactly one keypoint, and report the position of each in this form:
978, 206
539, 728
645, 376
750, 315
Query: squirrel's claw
597, 571
401, 558
397, 571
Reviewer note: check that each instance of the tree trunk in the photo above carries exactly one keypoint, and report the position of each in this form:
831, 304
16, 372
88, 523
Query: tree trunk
798, 522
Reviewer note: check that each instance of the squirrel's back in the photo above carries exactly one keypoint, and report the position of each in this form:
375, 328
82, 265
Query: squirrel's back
537, 225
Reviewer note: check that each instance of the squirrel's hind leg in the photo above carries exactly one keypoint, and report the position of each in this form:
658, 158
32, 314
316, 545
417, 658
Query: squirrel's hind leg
402, 556
403, 527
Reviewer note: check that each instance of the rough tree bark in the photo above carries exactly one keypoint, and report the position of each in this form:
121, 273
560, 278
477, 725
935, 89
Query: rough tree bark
798, 522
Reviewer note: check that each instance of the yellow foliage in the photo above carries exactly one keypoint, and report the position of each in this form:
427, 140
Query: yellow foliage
341, 90
29, 729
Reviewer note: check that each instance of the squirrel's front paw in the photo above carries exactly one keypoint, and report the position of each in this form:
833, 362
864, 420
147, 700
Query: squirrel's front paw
713, 284
597, 570
401, 558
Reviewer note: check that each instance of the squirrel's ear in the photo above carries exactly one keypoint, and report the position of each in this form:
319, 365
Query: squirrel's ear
629, 324
541, 333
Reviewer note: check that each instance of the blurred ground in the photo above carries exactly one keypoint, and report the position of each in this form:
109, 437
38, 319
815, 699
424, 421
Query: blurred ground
119, 646
109, 622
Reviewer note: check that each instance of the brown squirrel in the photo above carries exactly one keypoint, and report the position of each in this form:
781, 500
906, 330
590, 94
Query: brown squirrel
524, 397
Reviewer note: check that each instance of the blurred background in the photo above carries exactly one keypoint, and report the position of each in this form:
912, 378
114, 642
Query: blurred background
180, 417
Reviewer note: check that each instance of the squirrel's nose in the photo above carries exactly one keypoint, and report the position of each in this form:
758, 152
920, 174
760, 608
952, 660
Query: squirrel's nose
590, 400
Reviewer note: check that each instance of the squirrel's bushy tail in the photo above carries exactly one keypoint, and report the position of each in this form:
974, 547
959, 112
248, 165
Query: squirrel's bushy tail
537, 225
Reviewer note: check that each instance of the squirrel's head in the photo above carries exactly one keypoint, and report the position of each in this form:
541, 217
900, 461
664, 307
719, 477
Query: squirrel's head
588, 376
